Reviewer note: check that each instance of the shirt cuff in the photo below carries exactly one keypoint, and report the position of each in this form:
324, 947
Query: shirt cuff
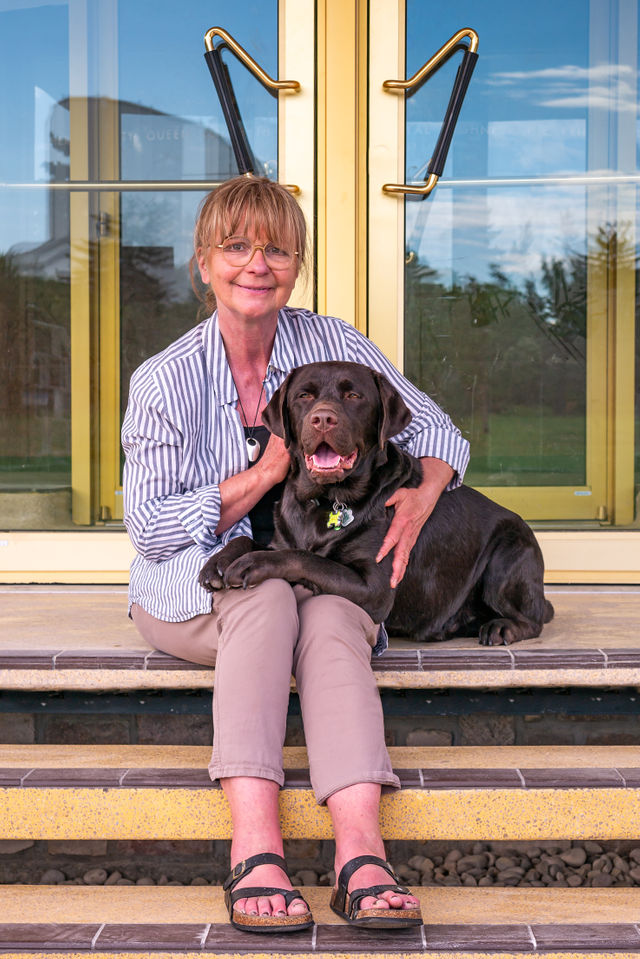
443, 445
202, 516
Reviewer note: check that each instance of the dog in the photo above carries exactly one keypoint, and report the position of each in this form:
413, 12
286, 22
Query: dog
476, 568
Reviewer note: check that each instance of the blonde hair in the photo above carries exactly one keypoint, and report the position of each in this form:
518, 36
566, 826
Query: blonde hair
243, 204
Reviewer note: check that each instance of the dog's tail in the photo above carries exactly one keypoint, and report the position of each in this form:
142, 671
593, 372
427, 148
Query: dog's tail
548, 611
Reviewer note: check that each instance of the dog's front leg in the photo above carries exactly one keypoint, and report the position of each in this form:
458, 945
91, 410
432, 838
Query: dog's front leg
367, 587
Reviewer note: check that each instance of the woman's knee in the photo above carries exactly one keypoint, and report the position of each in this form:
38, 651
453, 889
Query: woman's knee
332, 621
268, 610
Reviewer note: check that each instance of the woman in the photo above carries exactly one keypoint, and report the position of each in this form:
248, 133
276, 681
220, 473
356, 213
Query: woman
199, 471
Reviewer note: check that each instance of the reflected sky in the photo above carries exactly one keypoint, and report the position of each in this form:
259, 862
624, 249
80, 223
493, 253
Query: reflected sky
554, 94
151, 60
554, 91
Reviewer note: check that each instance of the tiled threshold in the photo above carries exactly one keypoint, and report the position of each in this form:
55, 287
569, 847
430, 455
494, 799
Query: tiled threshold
427, 779
413, 660
223, 938
127, 919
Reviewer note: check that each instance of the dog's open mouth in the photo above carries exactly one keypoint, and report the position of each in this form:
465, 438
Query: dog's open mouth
326, 460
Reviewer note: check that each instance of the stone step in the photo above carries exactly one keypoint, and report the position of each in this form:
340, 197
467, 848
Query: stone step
79, 638
170, 921
455, 793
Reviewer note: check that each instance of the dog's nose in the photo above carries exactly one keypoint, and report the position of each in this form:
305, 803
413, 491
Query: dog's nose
323, 419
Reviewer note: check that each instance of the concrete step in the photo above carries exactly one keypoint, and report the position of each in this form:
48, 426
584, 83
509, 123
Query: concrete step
66, 638
455, 793
169, 921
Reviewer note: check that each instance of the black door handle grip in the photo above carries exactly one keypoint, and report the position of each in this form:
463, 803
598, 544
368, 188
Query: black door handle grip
237, 134
463, 78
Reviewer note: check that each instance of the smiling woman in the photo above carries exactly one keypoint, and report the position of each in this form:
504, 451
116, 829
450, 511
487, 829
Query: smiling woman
191, 488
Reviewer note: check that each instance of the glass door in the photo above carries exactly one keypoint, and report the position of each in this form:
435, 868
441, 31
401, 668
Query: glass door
517, 275
112, 136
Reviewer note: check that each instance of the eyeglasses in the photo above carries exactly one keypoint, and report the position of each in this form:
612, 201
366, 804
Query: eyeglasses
238, 251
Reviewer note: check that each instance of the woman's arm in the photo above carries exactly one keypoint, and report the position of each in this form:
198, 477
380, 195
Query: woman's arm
241, 492
160, 515
412, 509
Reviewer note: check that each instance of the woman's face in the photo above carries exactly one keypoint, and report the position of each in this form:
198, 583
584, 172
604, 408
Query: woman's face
253, 292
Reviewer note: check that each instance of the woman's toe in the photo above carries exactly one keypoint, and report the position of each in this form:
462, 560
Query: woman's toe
297, 907
371, 902
240, 905
251, 907
264, 906
277, 906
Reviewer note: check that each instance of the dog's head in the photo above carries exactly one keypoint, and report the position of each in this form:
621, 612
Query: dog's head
331, 415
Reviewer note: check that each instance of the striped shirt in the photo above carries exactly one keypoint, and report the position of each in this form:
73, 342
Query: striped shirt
183, 436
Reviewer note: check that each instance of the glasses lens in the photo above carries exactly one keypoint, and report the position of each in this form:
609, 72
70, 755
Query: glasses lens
276, 256
238, 250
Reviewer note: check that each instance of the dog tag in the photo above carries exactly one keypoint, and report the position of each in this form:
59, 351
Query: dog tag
346, 517
339, 517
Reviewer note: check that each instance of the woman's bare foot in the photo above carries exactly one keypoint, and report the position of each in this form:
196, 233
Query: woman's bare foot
371, 875
267, 875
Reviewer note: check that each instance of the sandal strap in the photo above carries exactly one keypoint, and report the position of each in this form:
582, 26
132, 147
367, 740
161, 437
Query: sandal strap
352, 866
251, 892
244, 867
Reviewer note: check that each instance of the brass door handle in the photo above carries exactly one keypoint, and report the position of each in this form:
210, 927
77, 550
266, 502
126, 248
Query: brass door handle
249, 62
461, 83
222, 82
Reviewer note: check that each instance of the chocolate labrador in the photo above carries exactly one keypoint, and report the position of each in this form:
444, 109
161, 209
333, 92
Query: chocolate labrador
476, 568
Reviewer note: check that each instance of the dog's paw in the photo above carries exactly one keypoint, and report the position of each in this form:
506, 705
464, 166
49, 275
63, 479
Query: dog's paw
247, 571
211, 577
499, 632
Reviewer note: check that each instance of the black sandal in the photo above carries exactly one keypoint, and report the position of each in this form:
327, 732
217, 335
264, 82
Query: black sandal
262, 923
346, 904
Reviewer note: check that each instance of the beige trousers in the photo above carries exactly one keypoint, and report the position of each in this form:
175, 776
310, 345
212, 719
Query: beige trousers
258, 639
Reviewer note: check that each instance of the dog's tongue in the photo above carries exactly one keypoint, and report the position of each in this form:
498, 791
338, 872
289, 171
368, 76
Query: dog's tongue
324, 457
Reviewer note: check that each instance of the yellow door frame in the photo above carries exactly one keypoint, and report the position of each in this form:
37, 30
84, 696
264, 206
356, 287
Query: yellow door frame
608, 494
349, 212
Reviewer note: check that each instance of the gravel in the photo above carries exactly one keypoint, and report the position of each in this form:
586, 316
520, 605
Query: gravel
561, 863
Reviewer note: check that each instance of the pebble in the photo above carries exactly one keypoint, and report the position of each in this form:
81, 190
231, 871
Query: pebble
574, 857
52, 877
95, 877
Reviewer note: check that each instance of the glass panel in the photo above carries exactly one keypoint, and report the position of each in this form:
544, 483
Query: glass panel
172, 125
507, 262
496, 332
35, 436
157, 303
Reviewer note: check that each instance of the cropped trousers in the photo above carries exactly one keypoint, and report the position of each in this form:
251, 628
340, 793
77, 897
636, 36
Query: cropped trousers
258, 638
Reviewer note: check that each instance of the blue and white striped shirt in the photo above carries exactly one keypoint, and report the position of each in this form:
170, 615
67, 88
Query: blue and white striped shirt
182, 437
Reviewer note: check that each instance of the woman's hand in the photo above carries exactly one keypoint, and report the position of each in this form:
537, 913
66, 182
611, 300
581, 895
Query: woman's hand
241, 492
412, 508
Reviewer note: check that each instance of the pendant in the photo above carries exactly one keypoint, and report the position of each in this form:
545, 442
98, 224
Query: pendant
339, 517
253, 449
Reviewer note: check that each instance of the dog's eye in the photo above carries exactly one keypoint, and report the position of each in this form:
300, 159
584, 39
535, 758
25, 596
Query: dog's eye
305, 395
353, 396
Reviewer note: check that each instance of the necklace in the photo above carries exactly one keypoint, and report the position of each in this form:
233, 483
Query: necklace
251, 443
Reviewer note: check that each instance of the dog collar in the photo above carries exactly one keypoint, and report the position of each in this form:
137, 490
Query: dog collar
339, 516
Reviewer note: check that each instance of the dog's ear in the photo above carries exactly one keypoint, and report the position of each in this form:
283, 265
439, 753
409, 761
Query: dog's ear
394, 412
275, 415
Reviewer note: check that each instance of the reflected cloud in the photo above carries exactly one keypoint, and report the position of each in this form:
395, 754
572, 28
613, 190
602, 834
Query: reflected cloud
606, 86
